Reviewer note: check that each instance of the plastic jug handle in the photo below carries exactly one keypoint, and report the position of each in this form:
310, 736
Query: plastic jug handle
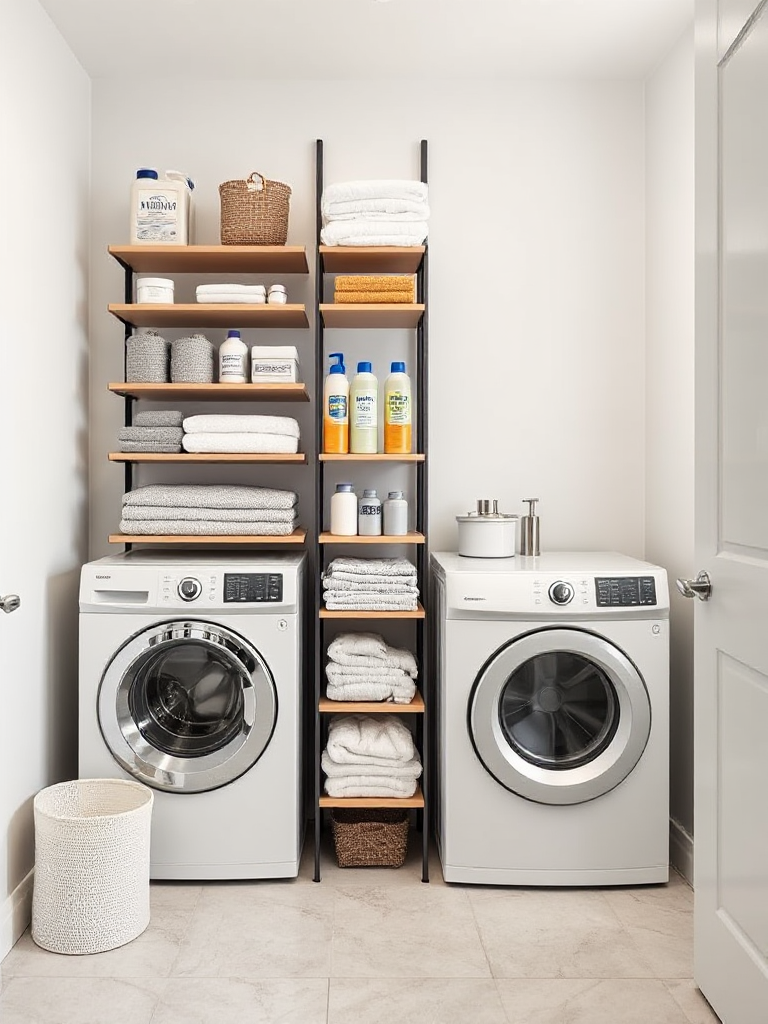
179, 176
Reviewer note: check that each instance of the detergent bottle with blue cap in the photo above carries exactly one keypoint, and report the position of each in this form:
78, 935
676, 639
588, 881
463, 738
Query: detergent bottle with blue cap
336, 408
363, 411
397, 411
161, 207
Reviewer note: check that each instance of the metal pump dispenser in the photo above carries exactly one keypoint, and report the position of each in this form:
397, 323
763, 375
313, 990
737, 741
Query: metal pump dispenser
529, 530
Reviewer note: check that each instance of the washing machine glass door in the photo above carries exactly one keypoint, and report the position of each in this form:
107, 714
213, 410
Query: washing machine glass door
187, 706
559, 716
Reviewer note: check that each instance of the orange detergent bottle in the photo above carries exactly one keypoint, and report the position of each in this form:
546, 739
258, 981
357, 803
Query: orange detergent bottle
397, 411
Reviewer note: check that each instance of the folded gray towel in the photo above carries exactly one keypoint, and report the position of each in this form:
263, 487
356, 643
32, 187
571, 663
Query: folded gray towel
204, 527
210, 496
160, 418
227, 515
162, 435
150, 446
373, 566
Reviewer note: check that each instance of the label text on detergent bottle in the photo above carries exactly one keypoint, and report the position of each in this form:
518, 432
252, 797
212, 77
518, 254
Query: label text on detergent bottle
156, 215
365, 409
398, 407
337, 407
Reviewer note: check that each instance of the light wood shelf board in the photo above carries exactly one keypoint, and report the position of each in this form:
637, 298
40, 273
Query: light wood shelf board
212, 392
354, 614
412, 537
297, 537
372, 707
212, 259
371, 259
329, 457
208, 458
361, 315
209, 314
372, 802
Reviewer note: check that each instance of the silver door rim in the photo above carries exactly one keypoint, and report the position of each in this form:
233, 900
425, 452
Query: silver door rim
194, 774
562, 785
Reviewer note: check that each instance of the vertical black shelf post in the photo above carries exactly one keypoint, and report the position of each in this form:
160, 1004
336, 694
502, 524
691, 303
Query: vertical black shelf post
319, 491
128, 401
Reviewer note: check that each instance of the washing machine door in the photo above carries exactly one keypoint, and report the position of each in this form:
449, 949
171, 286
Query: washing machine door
187, 706
559, 716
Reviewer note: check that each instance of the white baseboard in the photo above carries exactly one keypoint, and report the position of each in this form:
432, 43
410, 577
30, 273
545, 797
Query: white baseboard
681, 850
15, 915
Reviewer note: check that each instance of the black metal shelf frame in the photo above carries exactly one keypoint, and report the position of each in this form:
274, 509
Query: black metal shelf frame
423, 816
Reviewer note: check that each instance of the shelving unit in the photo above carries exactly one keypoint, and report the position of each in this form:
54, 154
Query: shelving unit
206, 260
412, 316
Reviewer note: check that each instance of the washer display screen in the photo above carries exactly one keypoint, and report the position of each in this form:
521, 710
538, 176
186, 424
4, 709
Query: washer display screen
253, 587
624, 591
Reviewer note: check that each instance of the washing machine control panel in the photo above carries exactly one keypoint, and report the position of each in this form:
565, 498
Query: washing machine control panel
224, 589
625, 591
253, 587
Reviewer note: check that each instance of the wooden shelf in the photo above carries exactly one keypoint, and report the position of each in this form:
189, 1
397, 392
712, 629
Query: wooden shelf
355, 614
371, 802
360, 315
377, 707
371, 259
412, 537
213, 392
212, 259
328, 457
297, 537
206, 457
209, 314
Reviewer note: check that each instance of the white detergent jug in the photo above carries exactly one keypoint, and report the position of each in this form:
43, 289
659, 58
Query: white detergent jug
160, 208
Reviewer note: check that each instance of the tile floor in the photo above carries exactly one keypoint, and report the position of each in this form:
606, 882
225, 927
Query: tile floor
376, 946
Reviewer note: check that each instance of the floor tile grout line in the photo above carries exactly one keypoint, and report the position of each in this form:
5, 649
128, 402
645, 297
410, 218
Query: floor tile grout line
480, 937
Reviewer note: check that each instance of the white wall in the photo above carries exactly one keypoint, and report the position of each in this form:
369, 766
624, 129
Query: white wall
537, 296
43, 407
669, 459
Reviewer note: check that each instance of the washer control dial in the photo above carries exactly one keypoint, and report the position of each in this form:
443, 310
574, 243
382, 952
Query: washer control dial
189, 588
561, 593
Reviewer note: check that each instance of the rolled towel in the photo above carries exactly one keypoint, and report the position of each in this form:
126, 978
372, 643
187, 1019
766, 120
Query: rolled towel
373, 282
243, 442
210, 496
369, 739
374, 232
392, 586
150, 446
229, 515
239, 424
192, 360
372, 691
373, 566
369, 650
162, 435
160, 418
204, 527
405, 770
373, 298
336, 601
370, 786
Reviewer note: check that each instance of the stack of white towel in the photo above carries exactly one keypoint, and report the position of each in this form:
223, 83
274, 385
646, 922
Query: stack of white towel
370, 755
237, 433
207, 509
371, 584
376, 212
362, 666
232, 293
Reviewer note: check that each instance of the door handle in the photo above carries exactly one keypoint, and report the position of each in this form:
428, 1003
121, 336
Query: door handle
701, 587
10, 602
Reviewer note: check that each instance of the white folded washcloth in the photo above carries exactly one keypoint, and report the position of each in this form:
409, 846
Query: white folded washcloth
210, 496
369, 567
373, 579
374, 232
375, 209
231, 298
391, 586
369, 739
370, 650
374, 188
226, 287
339, 601
371, 786
370, 690
244, 442
212, 423
407, 770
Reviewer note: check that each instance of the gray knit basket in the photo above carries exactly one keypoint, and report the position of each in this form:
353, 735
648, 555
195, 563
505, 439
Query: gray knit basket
192, 360
91, 882
146, 358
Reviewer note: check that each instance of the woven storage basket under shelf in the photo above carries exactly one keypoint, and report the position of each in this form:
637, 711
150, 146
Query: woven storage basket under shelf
370, 838
254, 211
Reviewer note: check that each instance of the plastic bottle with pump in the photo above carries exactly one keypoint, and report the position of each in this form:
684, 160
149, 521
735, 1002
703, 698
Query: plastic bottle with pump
233, 360
397, 411
336, 408
363, 412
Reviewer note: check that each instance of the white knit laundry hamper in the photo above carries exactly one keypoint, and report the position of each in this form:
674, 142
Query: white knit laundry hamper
91, 882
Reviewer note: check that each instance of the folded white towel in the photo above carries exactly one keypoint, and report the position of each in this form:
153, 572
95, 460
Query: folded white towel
370, 785
375, 209
339, 601
230, 515
374, 232
391, 586
210, 496
225, 286
209, 423
370, 650
372, 579
380, 673
369, 567
231, 298
406, 770
371, 690
244, 442
369, 739
204, 527
374, 188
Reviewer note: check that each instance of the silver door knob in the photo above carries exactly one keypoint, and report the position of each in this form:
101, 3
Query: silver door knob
10, 602
701, 587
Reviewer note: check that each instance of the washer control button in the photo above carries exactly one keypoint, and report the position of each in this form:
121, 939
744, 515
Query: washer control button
561, 593
189, 588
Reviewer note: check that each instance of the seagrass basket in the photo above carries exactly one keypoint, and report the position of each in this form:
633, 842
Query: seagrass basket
254, 211
370, 838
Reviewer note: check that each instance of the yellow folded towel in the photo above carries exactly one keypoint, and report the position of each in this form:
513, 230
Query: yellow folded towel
374, 282
388, 297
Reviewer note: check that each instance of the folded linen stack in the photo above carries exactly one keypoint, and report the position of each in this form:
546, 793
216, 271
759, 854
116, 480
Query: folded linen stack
371, 584
206, 509
232, 293
237, 433
374, 288
362, 666
370, 755
375, 212
159, 431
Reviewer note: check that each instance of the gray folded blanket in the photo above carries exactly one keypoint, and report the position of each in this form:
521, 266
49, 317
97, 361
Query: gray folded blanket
162, 435
150, 446
160, 418
205, 527
136, 513
210, 496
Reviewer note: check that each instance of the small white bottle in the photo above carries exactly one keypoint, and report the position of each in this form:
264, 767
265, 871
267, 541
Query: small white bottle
344, 511
369, 514
364, 411
233, 360
395, 515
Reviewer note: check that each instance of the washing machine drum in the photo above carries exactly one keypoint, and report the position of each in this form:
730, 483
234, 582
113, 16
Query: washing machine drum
187, 706
559, 716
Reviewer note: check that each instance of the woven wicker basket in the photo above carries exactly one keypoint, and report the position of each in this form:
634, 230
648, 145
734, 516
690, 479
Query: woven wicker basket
375, 838
254, 211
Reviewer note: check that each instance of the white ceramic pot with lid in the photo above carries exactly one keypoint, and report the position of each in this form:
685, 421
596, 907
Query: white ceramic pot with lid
487, 533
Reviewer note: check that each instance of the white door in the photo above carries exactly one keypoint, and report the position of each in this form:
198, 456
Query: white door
731, 628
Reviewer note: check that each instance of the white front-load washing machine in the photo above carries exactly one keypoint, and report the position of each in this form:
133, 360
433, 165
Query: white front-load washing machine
552, 707
191, 683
